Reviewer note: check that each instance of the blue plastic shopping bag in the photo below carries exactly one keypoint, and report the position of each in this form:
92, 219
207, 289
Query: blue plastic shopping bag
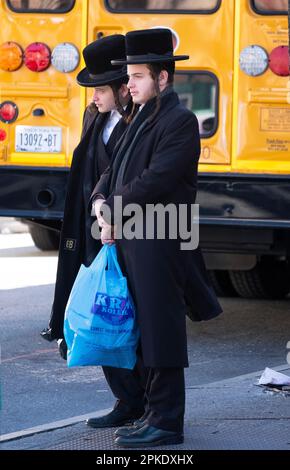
100, 319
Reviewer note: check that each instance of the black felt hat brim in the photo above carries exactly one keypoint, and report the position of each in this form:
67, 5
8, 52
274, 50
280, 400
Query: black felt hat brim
85, 79
149, 60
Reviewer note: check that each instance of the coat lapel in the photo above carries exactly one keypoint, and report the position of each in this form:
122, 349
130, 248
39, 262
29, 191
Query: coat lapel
141, 124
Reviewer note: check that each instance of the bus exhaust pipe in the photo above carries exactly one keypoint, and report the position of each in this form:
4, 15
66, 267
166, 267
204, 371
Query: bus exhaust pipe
45, 198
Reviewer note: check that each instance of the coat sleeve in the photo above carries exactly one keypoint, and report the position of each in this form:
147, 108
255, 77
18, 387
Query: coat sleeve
178, 151
89, 114
101, 190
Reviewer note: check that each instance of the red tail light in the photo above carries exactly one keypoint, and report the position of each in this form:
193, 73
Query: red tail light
37, 57
8, 112
279, 61
3, 135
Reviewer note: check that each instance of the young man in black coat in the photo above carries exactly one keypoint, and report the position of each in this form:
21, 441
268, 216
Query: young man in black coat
156, 163
104, 123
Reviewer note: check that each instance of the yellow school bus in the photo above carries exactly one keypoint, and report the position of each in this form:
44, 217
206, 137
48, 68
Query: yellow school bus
236, 81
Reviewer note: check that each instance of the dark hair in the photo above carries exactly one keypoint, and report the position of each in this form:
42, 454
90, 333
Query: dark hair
115, 88
116, 85
155, 69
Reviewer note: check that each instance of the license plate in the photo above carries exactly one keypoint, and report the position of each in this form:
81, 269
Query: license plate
38, 139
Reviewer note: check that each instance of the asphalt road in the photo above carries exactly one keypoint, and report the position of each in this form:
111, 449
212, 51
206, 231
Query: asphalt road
37, 387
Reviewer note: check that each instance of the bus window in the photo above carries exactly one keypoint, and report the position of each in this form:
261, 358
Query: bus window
198, 91
204, 6
34, 6
271, 6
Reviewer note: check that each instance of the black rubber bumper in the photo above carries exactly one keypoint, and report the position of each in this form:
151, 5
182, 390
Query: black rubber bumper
33, 192
233, 200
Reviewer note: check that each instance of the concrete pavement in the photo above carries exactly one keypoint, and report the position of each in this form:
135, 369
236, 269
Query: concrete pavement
232, 414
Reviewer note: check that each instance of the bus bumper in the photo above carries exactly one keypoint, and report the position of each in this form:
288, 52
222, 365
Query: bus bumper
242, 214
33, 193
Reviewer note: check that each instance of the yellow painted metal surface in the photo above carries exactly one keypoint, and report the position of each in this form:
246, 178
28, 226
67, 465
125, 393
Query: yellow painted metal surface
200, 37
261, 125
253, 133
54, 92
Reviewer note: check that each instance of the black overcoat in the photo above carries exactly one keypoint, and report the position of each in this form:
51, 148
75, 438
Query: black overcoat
161, 168
77, 246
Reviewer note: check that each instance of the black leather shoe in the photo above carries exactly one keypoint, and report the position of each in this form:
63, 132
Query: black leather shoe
62, 348
114, 418
47, 334
126, 431
149, 436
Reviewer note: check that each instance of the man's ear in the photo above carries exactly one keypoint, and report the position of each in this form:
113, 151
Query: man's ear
163, 77
124, 90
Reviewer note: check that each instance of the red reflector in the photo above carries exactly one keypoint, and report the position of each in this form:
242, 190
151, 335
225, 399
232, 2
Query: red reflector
279, 61
8, 112
3, 135
37, 57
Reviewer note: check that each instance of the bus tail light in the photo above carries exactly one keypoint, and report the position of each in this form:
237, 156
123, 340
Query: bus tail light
254, 60
8, 112
279, 61
37, 57
65, 57
3, 135
11, 56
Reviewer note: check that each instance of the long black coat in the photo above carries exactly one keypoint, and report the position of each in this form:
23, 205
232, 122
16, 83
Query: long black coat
161, 168
77, 246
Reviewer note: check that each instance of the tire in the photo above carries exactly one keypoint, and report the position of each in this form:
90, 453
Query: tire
222, 283
269, 279
44, 238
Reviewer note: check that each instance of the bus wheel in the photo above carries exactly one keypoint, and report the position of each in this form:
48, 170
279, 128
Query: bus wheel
222, 283
44, 238
269, 279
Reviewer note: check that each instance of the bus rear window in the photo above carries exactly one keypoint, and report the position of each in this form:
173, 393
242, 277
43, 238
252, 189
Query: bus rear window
163, 6
268, 7
198, 91
43, 6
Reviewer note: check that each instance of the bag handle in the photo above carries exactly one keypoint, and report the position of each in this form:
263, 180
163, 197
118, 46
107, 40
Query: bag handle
113, 264
101, 258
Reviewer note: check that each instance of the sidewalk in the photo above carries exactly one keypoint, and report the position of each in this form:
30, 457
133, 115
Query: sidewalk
232, 414
10, 225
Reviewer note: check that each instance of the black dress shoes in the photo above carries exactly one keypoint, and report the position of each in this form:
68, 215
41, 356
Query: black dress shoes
149, 436
126, 431
115, 418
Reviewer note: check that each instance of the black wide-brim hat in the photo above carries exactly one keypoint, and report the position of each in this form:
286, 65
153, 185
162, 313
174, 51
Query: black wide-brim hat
148, 46
98, 55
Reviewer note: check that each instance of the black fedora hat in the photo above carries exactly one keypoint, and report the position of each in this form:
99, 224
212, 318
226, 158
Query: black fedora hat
98, 55
148, 46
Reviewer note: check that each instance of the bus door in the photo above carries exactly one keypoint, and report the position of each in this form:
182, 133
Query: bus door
40, 48
203, 29
41, 109
261, 126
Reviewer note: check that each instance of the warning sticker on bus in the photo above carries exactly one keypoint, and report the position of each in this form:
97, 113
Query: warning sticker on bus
38, 139
275, 119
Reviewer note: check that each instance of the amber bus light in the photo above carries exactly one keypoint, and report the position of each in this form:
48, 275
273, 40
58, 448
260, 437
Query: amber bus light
11, 56
37, 57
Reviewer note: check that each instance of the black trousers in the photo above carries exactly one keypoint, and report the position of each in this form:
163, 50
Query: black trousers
165, 398
128, 386
158, 393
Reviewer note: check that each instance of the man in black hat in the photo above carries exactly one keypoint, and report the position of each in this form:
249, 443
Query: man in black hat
104, 123
156, 163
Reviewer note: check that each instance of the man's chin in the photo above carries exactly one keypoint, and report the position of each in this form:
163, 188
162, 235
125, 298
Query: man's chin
136, 99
